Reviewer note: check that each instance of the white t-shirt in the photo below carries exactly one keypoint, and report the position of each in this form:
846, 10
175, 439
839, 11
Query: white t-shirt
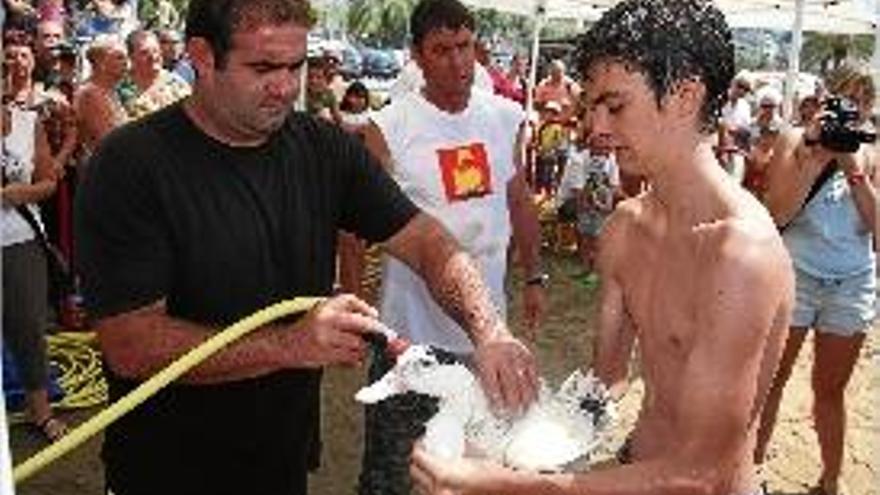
455, 167
737, 115
18, 166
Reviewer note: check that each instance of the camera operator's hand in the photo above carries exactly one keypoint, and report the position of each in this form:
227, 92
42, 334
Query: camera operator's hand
850, 164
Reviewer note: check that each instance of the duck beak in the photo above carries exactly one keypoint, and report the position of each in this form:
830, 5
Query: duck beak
387, 387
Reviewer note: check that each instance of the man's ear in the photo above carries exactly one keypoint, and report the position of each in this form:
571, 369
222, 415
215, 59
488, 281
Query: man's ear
201, 55
686, 98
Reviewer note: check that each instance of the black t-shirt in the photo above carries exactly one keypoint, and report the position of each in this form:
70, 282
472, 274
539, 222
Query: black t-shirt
219, 232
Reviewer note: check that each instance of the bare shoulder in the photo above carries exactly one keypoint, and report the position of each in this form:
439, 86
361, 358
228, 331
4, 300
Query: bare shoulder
618, 235
627, 215
375, 142
748, 253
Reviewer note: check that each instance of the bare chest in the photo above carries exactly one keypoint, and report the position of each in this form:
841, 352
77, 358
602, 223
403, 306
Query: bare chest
664, 293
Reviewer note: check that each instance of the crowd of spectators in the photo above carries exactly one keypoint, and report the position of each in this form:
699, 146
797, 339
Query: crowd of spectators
72, 72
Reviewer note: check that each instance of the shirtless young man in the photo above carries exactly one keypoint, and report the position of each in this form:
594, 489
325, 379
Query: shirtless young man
694, 269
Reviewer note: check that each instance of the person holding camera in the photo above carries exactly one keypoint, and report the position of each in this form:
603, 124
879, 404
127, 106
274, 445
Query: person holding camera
822, 192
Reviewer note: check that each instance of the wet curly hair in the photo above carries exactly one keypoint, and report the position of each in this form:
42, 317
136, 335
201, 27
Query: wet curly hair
668, 41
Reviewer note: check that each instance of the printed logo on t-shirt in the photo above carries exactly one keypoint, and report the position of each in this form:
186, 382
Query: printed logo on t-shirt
465, 172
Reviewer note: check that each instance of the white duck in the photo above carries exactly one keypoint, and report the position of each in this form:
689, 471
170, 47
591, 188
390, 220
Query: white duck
556, 430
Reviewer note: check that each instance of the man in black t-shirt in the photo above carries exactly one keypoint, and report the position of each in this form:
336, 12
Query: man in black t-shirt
213, 208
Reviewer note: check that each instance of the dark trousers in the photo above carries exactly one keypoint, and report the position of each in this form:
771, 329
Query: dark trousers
25, 288
390, 431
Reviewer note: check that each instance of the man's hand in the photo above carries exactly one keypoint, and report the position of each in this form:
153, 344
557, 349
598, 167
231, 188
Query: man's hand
534, 309
332, 333
507, 372
435, 476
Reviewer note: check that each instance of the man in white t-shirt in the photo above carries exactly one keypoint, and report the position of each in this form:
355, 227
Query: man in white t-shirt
452, 148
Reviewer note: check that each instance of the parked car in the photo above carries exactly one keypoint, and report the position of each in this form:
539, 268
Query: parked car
352, 63
379, 63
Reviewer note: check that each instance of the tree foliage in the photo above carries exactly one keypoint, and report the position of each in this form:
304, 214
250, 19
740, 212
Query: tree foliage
822, 53
381, 22
147, 9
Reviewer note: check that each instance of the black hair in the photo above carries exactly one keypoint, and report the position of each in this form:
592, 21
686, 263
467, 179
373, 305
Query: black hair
668, 41
18, 37
429, 15
217, 20
356, 88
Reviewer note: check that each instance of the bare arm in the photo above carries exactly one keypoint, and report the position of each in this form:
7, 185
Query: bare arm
524, 217
451, 275
791, 173
43, 181
505, 366
861, 171
375, 142
68, 147
616, 335
138, 343
527, 240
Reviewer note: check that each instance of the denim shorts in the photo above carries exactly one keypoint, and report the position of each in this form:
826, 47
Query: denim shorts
590, 223
842, 307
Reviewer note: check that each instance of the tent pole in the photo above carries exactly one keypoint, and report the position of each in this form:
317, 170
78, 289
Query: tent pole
794, 61
540, 13
540, 16
875, 60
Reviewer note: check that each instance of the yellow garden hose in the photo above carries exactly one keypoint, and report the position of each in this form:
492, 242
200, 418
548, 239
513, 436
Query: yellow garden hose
148, 388
80, 376
76, 357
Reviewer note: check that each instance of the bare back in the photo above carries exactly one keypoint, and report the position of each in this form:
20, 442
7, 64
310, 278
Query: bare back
98, 113
709, 306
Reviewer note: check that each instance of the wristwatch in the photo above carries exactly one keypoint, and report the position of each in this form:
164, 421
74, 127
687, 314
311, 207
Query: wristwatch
540, 279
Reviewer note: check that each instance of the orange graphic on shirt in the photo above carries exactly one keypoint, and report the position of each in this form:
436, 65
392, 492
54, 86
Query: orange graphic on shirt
465, 172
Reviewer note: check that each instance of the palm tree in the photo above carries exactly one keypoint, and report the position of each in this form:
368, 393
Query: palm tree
825, 52
384, 21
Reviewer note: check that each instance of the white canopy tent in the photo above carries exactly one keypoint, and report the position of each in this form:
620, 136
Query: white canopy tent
797, 16
830, 16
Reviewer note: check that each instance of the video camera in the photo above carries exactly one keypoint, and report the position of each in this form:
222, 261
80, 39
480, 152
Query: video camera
839, 126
